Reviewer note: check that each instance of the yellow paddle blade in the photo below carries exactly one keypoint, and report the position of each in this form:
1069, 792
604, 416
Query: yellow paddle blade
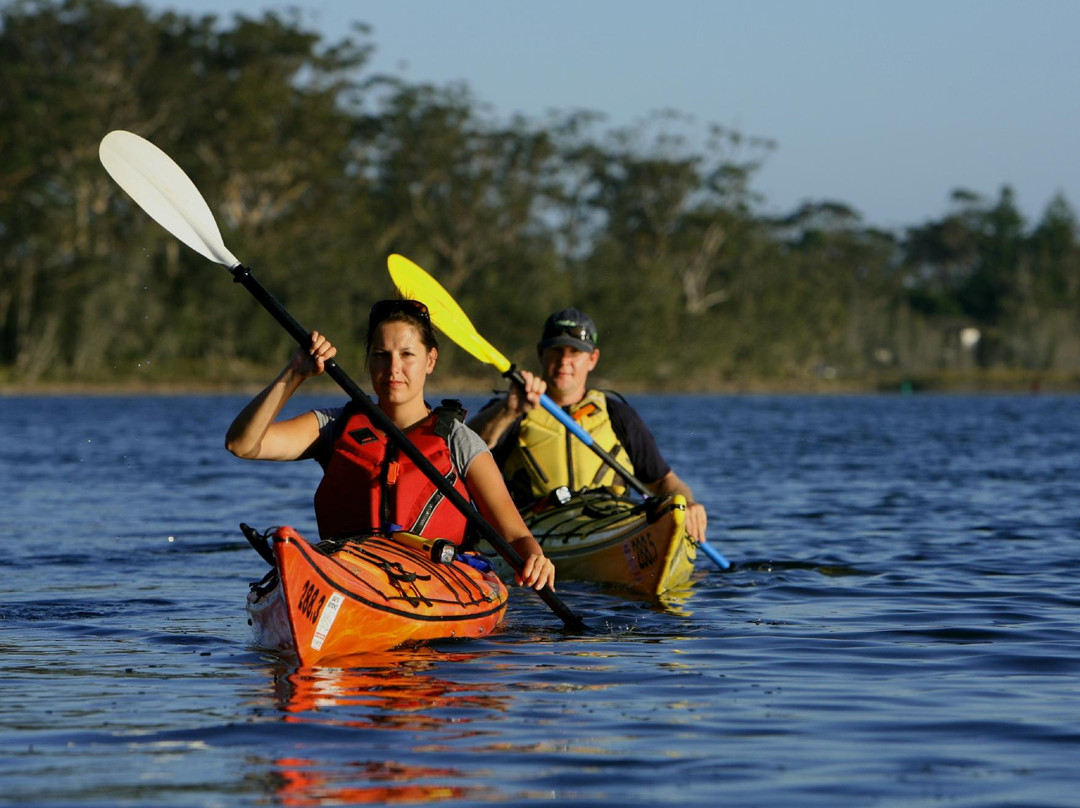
414, 283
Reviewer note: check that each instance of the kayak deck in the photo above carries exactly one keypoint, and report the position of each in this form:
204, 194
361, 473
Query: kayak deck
366, 594
599, 536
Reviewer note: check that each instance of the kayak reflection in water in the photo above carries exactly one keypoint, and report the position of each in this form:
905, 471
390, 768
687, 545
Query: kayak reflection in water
367, 483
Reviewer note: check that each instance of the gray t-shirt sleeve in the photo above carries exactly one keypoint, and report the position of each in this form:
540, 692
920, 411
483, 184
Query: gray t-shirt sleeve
326, 417
465, 446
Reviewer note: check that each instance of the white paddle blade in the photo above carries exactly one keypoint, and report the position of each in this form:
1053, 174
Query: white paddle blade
162, 189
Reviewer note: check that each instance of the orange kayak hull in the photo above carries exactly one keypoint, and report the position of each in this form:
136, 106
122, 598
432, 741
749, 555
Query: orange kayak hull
367, 594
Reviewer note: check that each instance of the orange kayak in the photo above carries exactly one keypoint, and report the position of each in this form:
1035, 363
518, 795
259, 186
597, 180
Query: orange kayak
367, 593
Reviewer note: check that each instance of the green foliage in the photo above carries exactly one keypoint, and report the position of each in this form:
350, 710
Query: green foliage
316, 170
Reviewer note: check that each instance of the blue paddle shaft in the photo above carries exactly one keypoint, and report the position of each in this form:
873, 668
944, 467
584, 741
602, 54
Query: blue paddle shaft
566, 420
716, 556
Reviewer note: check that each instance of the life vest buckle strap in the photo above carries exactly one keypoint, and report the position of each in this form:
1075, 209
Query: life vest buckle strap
446, 413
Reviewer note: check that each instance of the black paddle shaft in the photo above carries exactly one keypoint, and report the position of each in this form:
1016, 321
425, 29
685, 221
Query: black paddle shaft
243, 276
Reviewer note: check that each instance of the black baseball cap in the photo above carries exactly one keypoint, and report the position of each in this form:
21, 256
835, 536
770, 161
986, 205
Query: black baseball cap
571, 327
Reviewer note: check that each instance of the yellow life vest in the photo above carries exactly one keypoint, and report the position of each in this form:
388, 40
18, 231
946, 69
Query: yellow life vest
547, 456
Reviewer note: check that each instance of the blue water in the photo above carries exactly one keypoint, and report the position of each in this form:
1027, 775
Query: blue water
901, 627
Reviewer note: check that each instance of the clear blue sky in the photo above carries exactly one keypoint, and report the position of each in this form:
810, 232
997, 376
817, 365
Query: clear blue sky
884, 105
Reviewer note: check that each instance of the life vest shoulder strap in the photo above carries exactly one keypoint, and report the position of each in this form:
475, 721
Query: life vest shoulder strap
446, 413
607, 391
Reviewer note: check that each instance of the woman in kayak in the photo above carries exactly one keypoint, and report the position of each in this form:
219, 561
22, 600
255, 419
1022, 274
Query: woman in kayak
367, 483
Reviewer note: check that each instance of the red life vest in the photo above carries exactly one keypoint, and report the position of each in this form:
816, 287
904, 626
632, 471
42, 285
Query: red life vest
369, 484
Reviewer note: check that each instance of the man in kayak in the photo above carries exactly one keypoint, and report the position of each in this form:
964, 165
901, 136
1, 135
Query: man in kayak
536, 453
367, 483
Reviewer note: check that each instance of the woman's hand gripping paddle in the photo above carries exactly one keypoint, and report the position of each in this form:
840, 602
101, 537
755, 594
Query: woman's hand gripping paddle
414, 282
161, 188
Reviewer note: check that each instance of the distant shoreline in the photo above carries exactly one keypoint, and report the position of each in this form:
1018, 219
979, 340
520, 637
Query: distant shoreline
986, 382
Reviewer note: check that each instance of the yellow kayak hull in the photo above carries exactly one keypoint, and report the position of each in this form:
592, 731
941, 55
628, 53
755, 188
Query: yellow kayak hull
599, 537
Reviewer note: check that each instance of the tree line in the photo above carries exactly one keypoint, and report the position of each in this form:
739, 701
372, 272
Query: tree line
317, 168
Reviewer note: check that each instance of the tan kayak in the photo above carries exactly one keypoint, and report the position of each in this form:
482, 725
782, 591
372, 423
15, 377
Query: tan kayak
597, 536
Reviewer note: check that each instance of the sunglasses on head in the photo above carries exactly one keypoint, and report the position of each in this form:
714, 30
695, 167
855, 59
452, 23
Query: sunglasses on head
571, 330
384, 308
